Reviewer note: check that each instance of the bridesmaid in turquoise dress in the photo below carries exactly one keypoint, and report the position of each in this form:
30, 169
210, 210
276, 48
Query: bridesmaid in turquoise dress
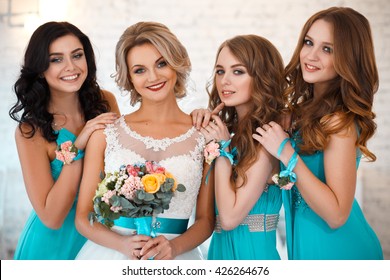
38, 241
58, 103
249, 81
332, 80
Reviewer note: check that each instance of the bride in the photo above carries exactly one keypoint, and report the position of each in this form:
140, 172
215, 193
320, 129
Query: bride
153, 66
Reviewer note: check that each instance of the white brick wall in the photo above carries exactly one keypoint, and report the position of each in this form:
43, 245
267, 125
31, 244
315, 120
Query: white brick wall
201, 25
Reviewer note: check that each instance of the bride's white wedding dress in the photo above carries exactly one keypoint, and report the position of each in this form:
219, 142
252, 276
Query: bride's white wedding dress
182, 156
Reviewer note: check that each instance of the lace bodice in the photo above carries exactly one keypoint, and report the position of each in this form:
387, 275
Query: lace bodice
182, 156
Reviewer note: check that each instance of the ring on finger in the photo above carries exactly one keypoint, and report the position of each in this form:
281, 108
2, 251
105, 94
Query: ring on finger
152, 257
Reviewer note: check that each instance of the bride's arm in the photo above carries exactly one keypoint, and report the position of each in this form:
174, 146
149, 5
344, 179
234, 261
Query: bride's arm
204, 217
98, 233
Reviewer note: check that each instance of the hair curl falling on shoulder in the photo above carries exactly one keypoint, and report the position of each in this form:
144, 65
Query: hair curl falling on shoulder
349, 96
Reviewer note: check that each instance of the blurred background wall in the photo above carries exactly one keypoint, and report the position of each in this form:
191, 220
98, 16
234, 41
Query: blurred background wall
202, 26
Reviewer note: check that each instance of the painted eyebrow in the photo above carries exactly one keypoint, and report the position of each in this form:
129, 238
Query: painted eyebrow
140, 65
325, 43
235, 65
58, 53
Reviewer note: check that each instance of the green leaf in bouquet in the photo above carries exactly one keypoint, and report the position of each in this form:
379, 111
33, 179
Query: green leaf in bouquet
149, 197
111, 185
96, 208
145, 211
146, 208
167, 197
125, 203
181, 188
143, 170
101, 175
165, 206
163, 188
92, 217
113, 216
108, 223
97, 200
136, 200
158, 210
168, 185
132, 213
170, 181
140, 195
160, 194
101, 190
104, 210
115, 201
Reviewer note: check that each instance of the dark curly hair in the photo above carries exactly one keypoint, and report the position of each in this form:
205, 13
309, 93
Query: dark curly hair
32, 91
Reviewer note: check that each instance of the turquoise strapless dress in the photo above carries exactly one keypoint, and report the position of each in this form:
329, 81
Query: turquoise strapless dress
38, 242
255, 237
310, 238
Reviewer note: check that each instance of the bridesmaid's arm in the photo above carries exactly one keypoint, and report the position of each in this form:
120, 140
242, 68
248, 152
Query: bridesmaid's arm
50, 200
331, 200
234, 201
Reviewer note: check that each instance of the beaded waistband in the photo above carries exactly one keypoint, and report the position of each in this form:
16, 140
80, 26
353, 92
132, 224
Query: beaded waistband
255, 222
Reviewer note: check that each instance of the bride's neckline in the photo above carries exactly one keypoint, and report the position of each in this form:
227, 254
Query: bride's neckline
156, 144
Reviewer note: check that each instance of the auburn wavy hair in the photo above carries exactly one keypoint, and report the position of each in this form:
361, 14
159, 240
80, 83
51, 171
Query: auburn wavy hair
265, 66
349, 96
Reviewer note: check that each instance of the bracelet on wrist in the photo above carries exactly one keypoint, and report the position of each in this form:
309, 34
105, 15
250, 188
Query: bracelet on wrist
281, 147
67, 152
286, 178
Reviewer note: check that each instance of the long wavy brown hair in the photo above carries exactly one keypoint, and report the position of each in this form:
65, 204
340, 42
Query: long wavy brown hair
349, 96
265, 66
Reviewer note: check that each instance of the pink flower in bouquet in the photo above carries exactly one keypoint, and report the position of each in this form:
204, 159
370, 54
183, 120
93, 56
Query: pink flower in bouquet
106, 197
130, 186
116, 209
133, 170
152, 167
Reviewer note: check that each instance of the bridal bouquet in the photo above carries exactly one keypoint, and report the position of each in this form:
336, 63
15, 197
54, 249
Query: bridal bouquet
134, 191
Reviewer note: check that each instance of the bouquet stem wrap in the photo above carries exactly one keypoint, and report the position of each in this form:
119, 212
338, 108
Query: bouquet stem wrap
146, 225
